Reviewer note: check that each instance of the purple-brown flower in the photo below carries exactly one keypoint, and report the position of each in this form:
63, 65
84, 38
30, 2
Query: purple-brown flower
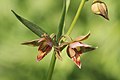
44, 44
76, 48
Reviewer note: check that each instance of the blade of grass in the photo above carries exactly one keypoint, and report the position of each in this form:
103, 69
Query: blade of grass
62, 20
67, 5
33, 27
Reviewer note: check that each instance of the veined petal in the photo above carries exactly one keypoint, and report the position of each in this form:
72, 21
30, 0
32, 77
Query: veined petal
76, 60
87, 48
45, 47
41, 55
75, 44
81, 38
71, 53
50, 43
32, 43
41, 39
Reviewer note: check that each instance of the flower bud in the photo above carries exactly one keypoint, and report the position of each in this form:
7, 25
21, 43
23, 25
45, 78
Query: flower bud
100, 8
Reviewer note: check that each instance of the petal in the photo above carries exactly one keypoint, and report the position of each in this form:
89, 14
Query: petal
76, 60
43, 51
75, 44
71, 53
33, 42
81, 38
50, 43
41, 39
48, 49
40, 56
85, 45
42, 46
45, 48
86, 49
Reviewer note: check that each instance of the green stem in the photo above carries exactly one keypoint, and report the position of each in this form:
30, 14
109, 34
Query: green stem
60, 31
51, 67
76, 17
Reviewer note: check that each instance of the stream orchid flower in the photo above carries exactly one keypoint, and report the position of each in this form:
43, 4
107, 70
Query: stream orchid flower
77, 47
44, 44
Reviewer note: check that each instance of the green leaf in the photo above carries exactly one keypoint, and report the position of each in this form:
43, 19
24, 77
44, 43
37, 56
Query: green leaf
33, 27
67, 5
61, 24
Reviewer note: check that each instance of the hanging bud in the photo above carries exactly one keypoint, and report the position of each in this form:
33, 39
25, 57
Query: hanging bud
98, 7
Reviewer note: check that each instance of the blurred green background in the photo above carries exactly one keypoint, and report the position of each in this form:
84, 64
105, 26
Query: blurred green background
18, 62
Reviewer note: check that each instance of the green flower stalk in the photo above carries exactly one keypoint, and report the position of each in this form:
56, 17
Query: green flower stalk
60, 32
76, 17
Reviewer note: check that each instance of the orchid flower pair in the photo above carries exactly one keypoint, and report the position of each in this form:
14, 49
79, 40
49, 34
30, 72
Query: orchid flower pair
74, 47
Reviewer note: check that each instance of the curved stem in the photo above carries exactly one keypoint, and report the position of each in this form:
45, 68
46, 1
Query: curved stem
76, 17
